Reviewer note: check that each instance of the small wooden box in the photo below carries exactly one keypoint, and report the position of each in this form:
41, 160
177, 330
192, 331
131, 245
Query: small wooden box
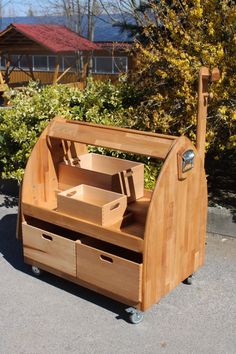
117, 175
92, 204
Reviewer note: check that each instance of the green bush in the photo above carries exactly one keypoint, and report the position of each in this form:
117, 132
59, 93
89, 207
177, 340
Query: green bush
32, 108
24, 120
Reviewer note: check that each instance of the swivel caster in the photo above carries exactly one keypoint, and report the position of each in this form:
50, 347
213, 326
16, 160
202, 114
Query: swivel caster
188, 281
135, 316
36, 271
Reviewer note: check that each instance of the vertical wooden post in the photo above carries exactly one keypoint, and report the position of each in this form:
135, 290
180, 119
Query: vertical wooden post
30, 67
1, 79
55, 75
204, 77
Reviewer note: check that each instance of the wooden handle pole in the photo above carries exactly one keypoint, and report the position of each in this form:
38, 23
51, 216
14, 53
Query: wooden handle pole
204, 75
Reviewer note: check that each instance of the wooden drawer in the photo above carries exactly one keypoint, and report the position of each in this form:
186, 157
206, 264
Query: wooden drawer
47, 248
109, 272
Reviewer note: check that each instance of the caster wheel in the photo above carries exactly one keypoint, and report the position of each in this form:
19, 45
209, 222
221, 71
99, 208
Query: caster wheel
136, 317
188, 281
36, 271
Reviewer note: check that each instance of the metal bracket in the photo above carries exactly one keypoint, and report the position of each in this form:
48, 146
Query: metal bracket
187, 160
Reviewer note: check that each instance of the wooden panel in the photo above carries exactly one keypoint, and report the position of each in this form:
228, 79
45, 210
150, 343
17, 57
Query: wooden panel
92, 204
45, 77
104, 270
175, 227
47, 248
133, 141
41, 176
121, 238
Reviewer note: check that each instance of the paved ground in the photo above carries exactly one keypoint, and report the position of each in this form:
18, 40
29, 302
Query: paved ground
49, 315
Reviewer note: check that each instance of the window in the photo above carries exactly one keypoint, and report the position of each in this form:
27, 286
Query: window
40, 62
103, 65
120, 65
25, 62
110, 65
52, 60
14, 59
70, 61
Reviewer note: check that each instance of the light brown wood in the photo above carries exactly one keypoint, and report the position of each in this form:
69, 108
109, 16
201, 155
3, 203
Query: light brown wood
92, 204
63, 74
49, 249
82, 283
121, 176
56, 72
115, 274
175, 227
204, 77
165, 229
123, 238
133, 141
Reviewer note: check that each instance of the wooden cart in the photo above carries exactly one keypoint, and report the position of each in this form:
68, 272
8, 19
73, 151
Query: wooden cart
138, 256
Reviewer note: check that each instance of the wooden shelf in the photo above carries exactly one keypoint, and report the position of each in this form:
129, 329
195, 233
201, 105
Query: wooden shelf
130, 237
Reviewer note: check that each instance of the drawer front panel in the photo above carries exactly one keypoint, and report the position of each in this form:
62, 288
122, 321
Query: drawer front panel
112, 273
49, 249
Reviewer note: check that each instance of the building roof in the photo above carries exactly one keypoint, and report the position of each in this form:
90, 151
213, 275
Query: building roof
55, 38
104, 29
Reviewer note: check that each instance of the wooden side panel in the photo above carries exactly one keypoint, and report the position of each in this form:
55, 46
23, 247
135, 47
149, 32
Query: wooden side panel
133, 141
47, 248
175, 226
106, 271
41, 174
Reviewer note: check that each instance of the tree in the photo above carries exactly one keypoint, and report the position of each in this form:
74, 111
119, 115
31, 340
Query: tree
30, 12
178, 38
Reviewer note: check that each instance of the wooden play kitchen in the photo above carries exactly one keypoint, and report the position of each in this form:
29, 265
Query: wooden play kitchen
87, 217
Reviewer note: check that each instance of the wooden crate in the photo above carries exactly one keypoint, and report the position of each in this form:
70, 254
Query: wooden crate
121, 176
92, 204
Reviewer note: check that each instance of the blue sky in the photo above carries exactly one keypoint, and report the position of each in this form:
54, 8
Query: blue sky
20, 8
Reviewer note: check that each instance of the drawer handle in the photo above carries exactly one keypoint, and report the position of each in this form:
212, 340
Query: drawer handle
47, 237
70, 194
115, 206
106, 259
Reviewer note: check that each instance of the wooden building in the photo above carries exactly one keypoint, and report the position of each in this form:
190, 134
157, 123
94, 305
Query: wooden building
55, 54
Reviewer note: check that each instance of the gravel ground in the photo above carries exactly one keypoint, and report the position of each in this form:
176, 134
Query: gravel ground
50, 315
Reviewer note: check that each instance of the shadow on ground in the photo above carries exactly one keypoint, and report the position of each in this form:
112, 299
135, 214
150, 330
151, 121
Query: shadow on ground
9, 201
11, 250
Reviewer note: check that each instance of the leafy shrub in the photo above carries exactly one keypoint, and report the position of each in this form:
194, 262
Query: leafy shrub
178, 37
24, 120
32, 108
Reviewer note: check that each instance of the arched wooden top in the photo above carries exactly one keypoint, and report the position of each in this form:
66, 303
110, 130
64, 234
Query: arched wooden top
129, 140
